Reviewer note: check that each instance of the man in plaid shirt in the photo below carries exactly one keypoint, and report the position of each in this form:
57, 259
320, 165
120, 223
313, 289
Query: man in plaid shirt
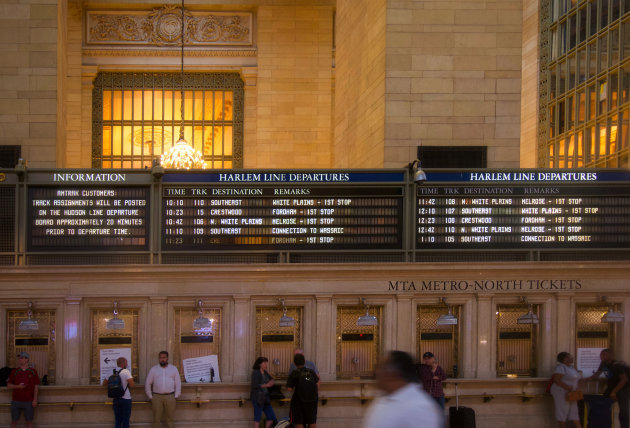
431, 375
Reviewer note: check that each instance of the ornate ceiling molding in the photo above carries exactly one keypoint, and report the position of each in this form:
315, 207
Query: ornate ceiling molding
162, 27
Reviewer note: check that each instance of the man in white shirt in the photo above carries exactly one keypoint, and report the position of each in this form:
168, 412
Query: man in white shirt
405, 404
163, 386
122, 405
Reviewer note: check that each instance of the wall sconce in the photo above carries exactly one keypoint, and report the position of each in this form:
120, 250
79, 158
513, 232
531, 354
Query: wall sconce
20, 167
367, 319
285, 320
448, 318
529, 317
29, 324
115, 323
202, 325
611, 315
419, 176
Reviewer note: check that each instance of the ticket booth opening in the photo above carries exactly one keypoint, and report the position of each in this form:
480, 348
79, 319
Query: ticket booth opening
107, 335
37, 338
441, 340
277, 341
197, 339
358, 346
516, 343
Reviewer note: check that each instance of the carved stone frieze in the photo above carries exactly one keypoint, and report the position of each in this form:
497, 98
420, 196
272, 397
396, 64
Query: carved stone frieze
162, 27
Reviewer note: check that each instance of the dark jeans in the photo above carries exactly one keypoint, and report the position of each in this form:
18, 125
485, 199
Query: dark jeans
440, 401
623, 398
122, 412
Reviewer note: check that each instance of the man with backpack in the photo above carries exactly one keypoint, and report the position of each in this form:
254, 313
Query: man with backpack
618, 384
304, 384
118, 385
24, 382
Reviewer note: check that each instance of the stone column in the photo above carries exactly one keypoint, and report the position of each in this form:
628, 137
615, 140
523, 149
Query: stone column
242, 339
73, 350
564, 320
157, 330
468, 332
405, 312
486, 337
325, 341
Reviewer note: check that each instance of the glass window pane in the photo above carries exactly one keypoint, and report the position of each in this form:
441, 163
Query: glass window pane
614, 47
592, 29
626, 39
107, 105
148, 106
592, 60
582, 23
603, 54
126, 108
227, 140
615, 9
623, 139
581, 66
138, 97
107, 140
613, 128
572, 31
581, 108
613, 81
602, 97
571, 72
602, 140
117, 102
603, 8
592, 102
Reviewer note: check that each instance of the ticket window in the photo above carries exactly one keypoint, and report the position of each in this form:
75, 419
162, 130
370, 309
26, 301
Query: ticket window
591, 332
275, 342
441, 340
197, 339
516, 343
113, 338
358, 347
37, 339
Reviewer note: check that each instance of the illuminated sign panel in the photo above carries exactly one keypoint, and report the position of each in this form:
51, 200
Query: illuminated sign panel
88, 218
284, 210
525, 209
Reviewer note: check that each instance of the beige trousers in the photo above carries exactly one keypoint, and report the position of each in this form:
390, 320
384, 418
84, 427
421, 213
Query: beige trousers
163, 405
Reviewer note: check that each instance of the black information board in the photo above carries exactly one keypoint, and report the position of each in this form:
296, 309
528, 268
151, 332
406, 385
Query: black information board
282, 217
113, 218
510, 214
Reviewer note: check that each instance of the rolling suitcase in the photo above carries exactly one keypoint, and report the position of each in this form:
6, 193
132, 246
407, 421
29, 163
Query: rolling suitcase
460, 416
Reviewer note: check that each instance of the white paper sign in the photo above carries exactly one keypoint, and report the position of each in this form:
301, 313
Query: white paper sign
108, 360
202, 369
588, 360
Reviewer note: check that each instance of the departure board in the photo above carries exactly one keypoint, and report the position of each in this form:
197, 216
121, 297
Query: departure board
302, 216
88, 218
508, 214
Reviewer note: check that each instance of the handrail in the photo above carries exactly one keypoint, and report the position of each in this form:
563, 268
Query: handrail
241, 401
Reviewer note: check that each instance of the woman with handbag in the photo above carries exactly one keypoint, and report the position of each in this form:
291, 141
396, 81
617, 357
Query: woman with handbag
261, 382
564, 391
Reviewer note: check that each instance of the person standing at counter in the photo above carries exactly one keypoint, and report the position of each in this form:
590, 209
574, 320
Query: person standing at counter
261, 382
163, 386
565, 379
431, 375
617, 388
24, 382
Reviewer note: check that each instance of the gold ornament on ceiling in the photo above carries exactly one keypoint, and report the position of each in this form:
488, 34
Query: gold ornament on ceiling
161, 27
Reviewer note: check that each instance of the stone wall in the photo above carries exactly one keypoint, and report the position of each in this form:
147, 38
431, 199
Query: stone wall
28, 79
453, 78
359, 84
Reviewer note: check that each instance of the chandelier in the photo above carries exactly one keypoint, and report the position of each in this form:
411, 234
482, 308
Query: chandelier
182, 155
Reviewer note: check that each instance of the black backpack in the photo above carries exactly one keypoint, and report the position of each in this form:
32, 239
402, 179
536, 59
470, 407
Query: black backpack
114, 385
307, 385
